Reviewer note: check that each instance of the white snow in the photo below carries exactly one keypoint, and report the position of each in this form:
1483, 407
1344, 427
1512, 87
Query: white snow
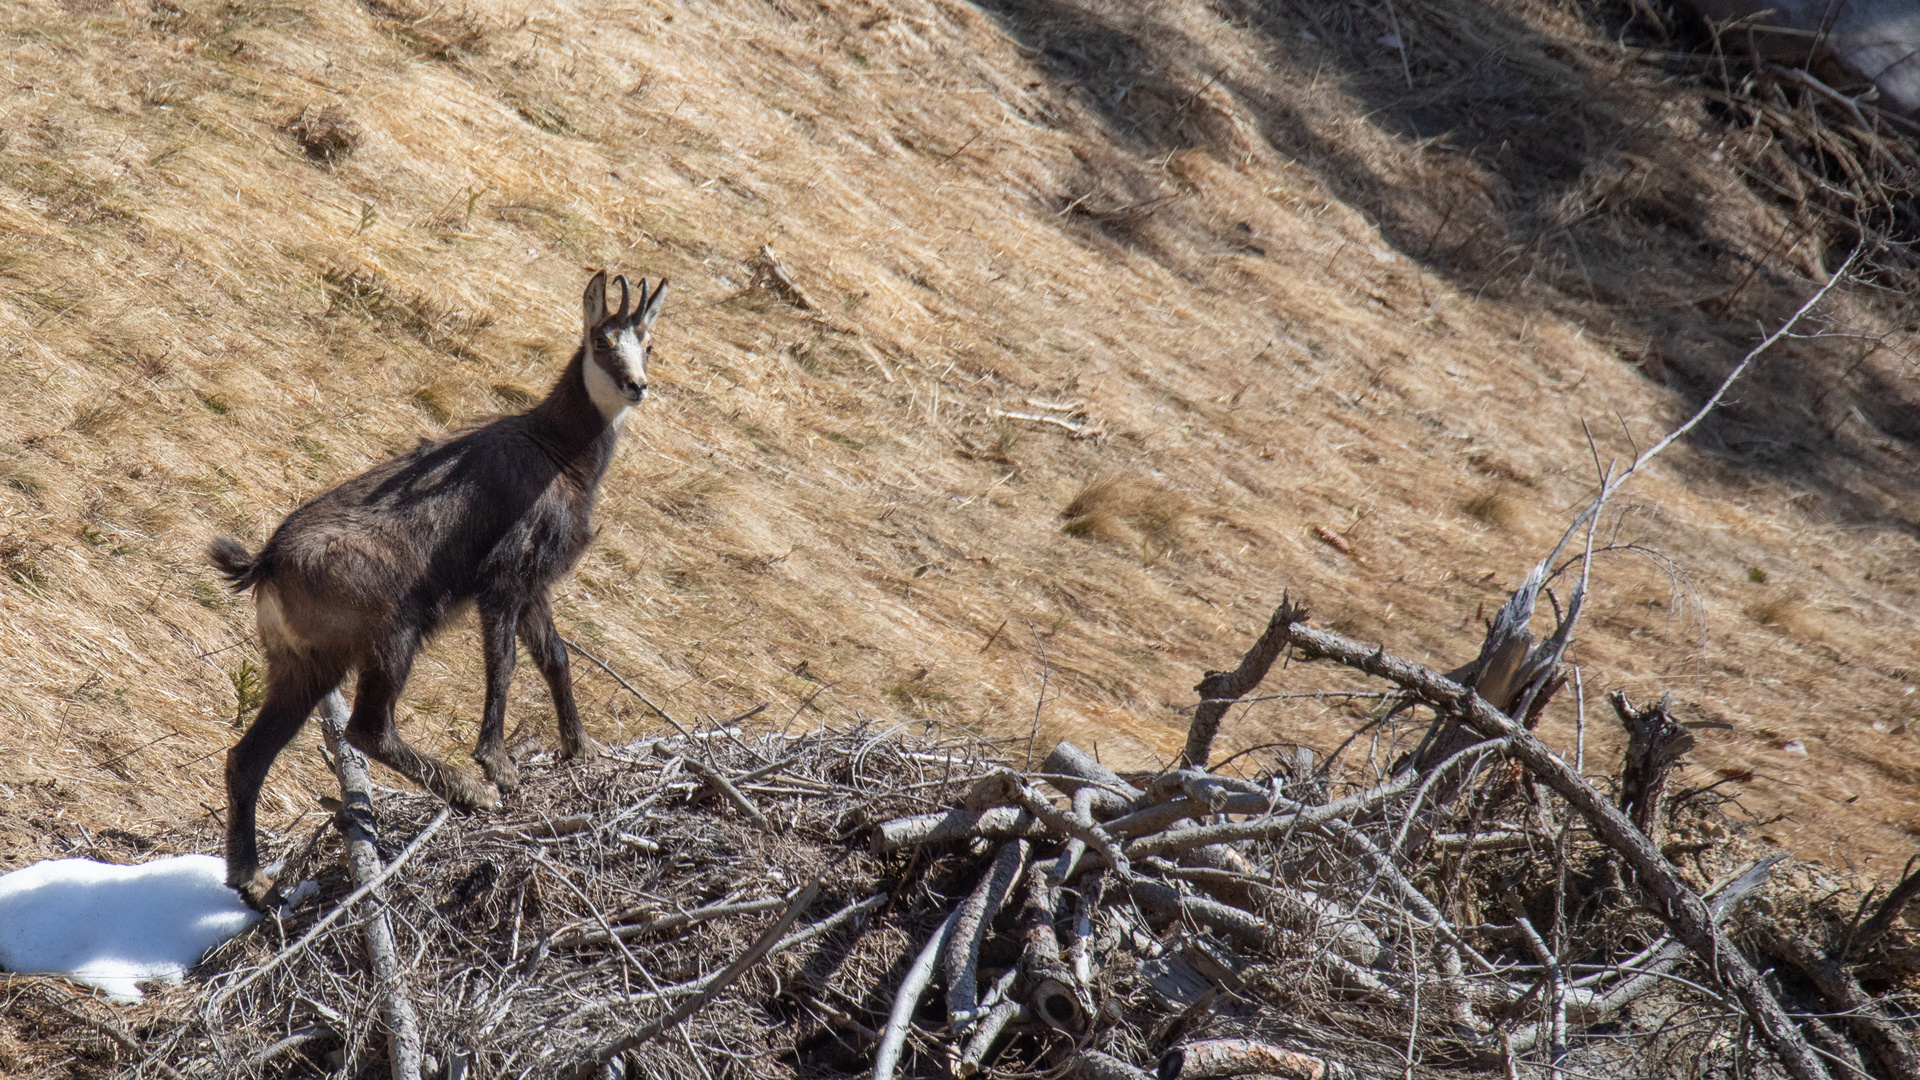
115, 926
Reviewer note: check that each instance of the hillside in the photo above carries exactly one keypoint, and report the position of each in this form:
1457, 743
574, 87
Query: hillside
1260, 273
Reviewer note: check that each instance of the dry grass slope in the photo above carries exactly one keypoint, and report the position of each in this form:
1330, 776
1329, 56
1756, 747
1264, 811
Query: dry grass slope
1302, 282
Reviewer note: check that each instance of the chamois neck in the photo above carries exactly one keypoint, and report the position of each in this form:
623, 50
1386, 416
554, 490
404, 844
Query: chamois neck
572, 426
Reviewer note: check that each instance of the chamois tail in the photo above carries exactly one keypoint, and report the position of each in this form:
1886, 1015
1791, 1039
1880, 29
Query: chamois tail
239, 568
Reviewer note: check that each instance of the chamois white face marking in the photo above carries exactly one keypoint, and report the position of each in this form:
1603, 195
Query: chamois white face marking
617, 372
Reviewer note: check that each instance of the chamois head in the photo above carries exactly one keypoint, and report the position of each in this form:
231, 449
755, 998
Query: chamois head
617, 344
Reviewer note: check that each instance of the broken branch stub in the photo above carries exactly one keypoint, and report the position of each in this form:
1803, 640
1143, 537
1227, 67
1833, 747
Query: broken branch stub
1067, 764
1220, 689
1655, 742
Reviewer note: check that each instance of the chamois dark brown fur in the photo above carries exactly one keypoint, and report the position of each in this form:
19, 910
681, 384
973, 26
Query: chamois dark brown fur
360, 577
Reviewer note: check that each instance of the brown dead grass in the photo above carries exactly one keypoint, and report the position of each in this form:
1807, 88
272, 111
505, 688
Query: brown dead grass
1289, 289
1139, 513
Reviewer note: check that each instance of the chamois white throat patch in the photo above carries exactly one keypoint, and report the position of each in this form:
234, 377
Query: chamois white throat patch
606, 396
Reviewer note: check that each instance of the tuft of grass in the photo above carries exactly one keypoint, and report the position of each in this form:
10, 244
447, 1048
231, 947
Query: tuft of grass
19, 562
209, 596
371, 294
1784, 611
552, 223
432, 31
688, 496
1756, 575
1494, 508
917, 692
437, 399
513, 397
96, 420
23, 481
1141, 513
1006, 435
545, 115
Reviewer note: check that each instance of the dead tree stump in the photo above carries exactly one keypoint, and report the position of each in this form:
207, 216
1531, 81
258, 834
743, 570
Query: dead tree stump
1655, 741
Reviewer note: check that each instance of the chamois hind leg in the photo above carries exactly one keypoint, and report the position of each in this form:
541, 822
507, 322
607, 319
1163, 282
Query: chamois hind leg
543, 641
372, 732
294, 687
496, 637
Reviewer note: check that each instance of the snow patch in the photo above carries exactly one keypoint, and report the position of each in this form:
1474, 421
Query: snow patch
114, 926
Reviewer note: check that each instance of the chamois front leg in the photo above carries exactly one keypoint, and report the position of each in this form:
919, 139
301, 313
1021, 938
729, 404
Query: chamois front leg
543, 641
496, 642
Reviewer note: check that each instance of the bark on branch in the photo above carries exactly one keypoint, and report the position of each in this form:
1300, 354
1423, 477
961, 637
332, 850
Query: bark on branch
363, 863
1863, 1015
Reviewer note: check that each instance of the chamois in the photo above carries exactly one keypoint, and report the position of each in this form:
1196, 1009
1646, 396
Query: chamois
361, 576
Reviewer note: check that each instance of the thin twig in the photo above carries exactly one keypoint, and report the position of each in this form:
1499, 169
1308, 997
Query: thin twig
621, 679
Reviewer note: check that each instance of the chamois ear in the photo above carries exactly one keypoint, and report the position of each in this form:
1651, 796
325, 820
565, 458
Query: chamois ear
593, 306
621, 315
650, 306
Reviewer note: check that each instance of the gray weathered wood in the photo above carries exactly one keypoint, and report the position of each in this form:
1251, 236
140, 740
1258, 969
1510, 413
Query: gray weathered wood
363, 865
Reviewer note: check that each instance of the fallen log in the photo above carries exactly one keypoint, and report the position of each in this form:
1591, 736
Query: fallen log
999, 823
1069, 768
893, 1038
1240, 1057
1052, 994
975, 919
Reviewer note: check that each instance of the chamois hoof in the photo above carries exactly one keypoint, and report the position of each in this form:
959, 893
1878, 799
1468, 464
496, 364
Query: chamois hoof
500, 769
260, 893
582, 751
468, 793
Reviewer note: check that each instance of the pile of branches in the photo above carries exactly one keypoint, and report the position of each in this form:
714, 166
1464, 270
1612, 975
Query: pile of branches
718, 903
1478, 903
865, 901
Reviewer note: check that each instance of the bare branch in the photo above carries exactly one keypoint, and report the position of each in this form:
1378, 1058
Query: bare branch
1220, 689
